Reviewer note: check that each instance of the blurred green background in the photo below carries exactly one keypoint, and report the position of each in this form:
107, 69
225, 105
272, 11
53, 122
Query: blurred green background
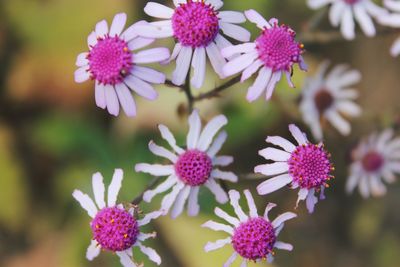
53, 137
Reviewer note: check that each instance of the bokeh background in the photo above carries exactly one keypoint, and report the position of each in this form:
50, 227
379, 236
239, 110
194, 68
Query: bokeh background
53, 137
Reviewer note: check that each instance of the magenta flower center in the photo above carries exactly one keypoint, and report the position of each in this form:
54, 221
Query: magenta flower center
351, 2
310, 166
372, 161
110, 60
195, 24
278, 49
323, 100
193, 167
254, 239
114, 229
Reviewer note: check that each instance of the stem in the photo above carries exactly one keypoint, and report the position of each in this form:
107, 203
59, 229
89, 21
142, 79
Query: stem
217, 90
151, 185
188, 93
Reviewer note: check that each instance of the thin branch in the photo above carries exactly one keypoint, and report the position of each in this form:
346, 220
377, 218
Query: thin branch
151, 185
217, 90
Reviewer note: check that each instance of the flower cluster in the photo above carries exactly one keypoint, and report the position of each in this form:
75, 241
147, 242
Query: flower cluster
202, 31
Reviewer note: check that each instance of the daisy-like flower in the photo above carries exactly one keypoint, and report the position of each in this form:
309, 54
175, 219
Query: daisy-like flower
252, 237
113, 65
191, 167
343, 13
275, 51
306, 166
376, 158
329, 96
392, 20
115, 228
196, 25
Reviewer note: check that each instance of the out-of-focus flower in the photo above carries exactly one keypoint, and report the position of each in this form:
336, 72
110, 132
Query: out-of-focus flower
343, 13
376, 158
392, 20
191, 167
306, 166
253, 237
196, 25
114, 67
114, 228
329, 96
275, 51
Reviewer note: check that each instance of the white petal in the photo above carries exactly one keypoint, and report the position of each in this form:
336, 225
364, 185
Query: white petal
274, 154
139, 42
231, 259
364, 187
93, 250
338, 122
238, 49
250, 202
141, 87
149, 217
216, 189
101, 28
348, 78
395, 49
347, 24
152, 31
231, 16
269, 207
283, 218
218, 227
86, 202
352, 182
336, 12
100, 95
209, 132
348, 108
222, 160
81, 75
167, 135
182, 65
272, 168
111, 100
151, 253
240, 63
222, 43
302, 195
114, 187
81, 60
234, 197
180, 202
145, 236
234, 31
159, 11
164, 186
223, 215
255, 17
311, 200
194, 129
199, 67
126, 99
130, 32
174, 55
283, 245
364, 20
227, 176
210, 246
193, 205
125, 259
250, 70
162, 152
155, 169
169, 199
282, 142
244, 263
217, 4
273, 184
92, 39
98, 189
276, 76
216, 59
259, 85
315, 4
117, 24
217, 144
393, 5
298, 134
151, 55
148, 75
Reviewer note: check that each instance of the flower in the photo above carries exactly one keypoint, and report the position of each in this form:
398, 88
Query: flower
376, 158
306, 166
196, 25
392, 20
343, 13
115, 228
113, 65
190, 168
327, 96
275, 51
253, 237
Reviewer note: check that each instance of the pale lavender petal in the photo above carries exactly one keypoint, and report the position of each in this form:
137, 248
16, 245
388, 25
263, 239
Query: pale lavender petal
282, 142
193, 205
169, 199
100, 95
273, 184
218, 227
311, 200
81, 60
238, 64
111, 100
223, 175
216, 59
252, 205
164, 186
125, 259
167, 135
210, 246
155, 169
194, 129
223, 215
141, 87
217, 144
148, 74
231, 16
81, 75
283, 245
138, 43
222, 160
101, 28
234, 31
180, 202
114, 187
86, 202
274, 154
255, 17
199, 67
152, 55
298, 135
234, 197
93, 250
216, 189
283, 218
182, 65
162, 152
151, 253
269, 207
272, 168
98, 189
126, 99
231, 259
117, 24
157, 10
259, 85
209, 132
149, 217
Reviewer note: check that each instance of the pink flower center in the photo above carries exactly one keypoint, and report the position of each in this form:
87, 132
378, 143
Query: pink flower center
195, 24
372, 161
110, 60
254, 239
278, 49
310, 166
351, 2
114, 229
193, 167
323, 100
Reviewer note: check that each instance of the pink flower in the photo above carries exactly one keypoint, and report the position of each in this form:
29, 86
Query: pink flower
306, 166
113, 65
275, 51
114, 228
253, 237
190, 168
196, 25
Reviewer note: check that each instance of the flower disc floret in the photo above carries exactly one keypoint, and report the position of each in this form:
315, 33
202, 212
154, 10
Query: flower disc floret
194, 167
